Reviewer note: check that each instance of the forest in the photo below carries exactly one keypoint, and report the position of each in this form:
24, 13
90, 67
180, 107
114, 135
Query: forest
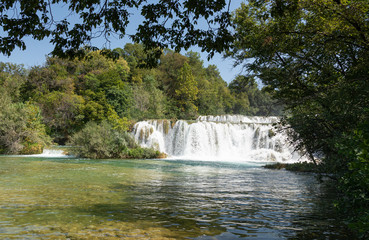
51, 103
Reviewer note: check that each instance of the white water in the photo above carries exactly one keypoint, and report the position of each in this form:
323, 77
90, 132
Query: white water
226, 138
48, 153
52, 153
238, 119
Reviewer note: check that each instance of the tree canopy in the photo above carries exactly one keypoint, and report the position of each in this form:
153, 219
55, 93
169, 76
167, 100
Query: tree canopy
166, 23
69, 93
313, 55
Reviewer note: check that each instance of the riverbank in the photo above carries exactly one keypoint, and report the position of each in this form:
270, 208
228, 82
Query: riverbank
295, 167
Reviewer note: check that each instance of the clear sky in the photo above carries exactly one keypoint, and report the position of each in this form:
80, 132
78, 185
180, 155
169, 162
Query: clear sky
36, 51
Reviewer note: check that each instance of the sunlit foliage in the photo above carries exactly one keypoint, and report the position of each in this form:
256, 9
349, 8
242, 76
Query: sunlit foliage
313, 57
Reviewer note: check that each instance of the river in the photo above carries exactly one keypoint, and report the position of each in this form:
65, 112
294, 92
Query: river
68, 198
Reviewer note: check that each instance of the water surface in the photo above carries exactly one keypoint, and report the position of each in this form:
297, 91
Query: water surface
56, 198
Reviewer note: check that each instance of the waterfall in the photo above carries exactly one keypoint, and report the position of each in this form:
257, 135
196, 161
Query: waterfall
48, 153
227, 137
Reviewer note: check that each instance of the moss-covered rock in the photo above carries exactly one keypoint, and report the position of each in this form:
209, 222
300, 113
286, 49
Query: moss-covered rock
271, 133
173, 122
166, 126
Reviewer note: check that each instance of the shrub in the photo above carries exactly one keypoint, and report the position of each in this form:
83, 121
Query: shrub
21, 128
143, 153
277, 166
103, 141
295, 167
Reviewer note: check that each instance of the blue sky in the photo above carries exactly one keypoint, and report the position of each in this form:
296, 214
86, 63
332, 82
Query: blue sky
36, 51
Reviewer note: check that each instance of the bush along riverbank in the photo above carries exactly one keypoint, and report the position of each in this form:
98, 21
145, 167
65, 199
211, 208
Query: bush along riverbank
295, 167
101, 141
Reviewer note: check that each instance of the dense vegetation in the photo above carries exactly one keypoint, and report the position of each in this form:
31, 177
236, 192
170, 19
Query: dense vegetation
103, 141
314, 57
64, 97
21, 126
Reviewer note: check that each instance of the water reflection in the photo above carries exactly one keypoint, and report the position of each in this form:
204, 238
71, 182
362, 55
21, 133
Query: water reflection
161, 200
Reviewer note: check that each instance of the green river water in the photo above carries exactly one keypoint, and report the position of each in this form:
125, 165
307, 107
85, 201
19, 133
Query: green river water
61, 198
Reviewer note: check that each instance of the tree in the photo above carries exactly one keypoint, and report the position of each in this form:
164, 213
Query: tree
12, 76
223, 100
62, 114
186, 91
168, 23
251, 100
313, 56
71, 93
170, 64
313, 66
21, 128
150, 102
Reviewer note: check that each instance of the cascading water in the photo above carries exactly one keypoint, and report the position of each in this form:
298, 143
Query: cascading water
48, 153
228, 137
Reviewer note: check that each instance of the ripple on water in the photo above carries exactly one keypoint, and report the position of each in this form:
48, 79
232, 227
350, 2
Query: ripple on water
115, 199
